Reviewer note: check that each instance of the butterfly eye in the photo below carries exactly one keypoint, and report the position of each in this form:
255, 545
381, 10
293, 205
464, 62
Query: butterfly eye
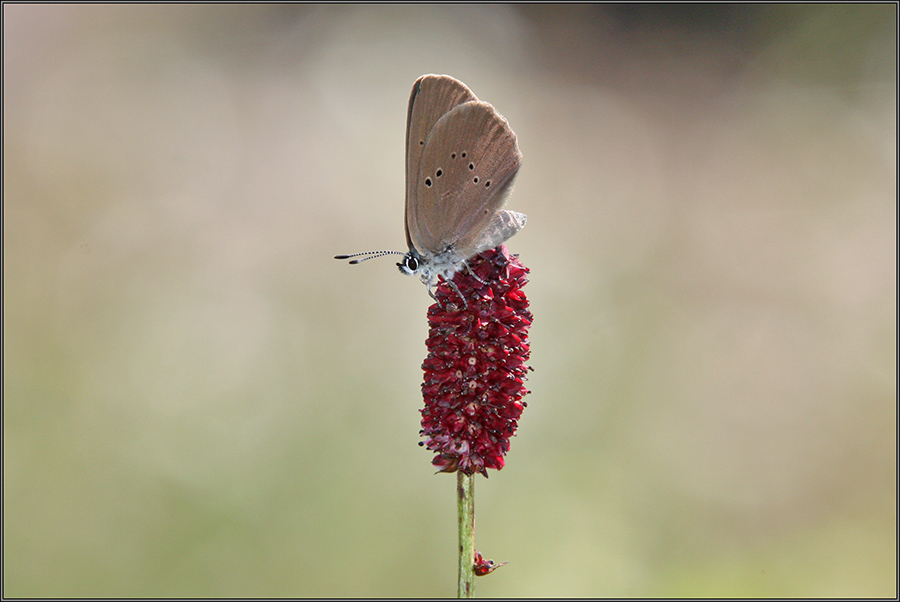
409, 265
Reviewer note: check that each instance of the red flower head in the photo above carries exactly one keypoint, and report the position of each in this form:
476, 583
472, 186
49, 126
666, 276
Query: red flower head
475, 369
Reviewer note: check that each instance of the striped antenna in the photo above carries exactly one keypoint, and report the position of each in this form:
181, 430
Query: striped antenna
371, 255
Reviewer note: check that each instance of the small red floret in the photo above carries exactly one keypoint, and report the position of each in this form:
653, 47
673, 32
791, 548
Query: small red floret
485, 567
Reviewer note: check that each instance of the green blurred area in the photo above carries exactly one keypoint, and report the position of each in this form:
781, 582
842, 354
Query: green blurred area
199, 402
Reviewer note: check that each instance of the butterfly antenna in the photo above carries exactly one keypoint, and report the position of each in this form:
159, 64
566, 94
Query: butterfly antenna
367, 255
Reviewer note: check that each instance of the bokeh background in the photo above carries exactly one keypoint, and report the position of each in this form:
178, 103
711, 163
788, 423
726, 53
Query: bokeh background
199, 401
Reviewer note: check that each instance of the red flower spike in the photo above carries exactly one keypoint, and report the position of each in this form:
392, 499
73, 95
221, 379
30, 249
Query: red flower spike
485, 567
476, 364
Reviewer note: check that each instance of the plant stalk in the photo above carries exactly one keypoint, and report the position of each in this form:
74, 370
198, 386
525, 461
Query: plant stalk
465, 499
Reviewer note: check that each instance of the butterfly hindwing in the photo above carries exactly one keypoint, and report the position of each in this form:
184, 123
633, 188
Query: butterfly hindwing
469, 160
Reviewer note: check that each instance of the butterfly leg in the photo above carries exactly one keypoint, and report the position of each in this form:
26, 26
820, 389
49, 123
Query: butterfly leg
473, 274
454, 287
458, 292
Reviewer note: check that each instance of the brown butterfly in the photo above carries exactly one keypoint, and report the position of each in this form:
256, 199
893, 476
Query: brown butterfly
461, 158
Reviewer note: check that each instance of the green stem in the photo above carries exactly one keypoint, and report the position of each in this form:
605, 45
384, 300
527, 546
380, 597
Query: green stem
465, 500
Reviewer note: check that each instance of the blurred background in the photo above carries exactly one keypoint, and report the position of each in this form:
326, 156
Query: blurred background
198, 401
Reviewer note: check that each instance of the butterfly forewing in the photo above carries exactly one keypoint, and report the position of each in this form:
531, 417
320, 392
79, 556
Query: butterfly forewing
433, 96
470, 158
